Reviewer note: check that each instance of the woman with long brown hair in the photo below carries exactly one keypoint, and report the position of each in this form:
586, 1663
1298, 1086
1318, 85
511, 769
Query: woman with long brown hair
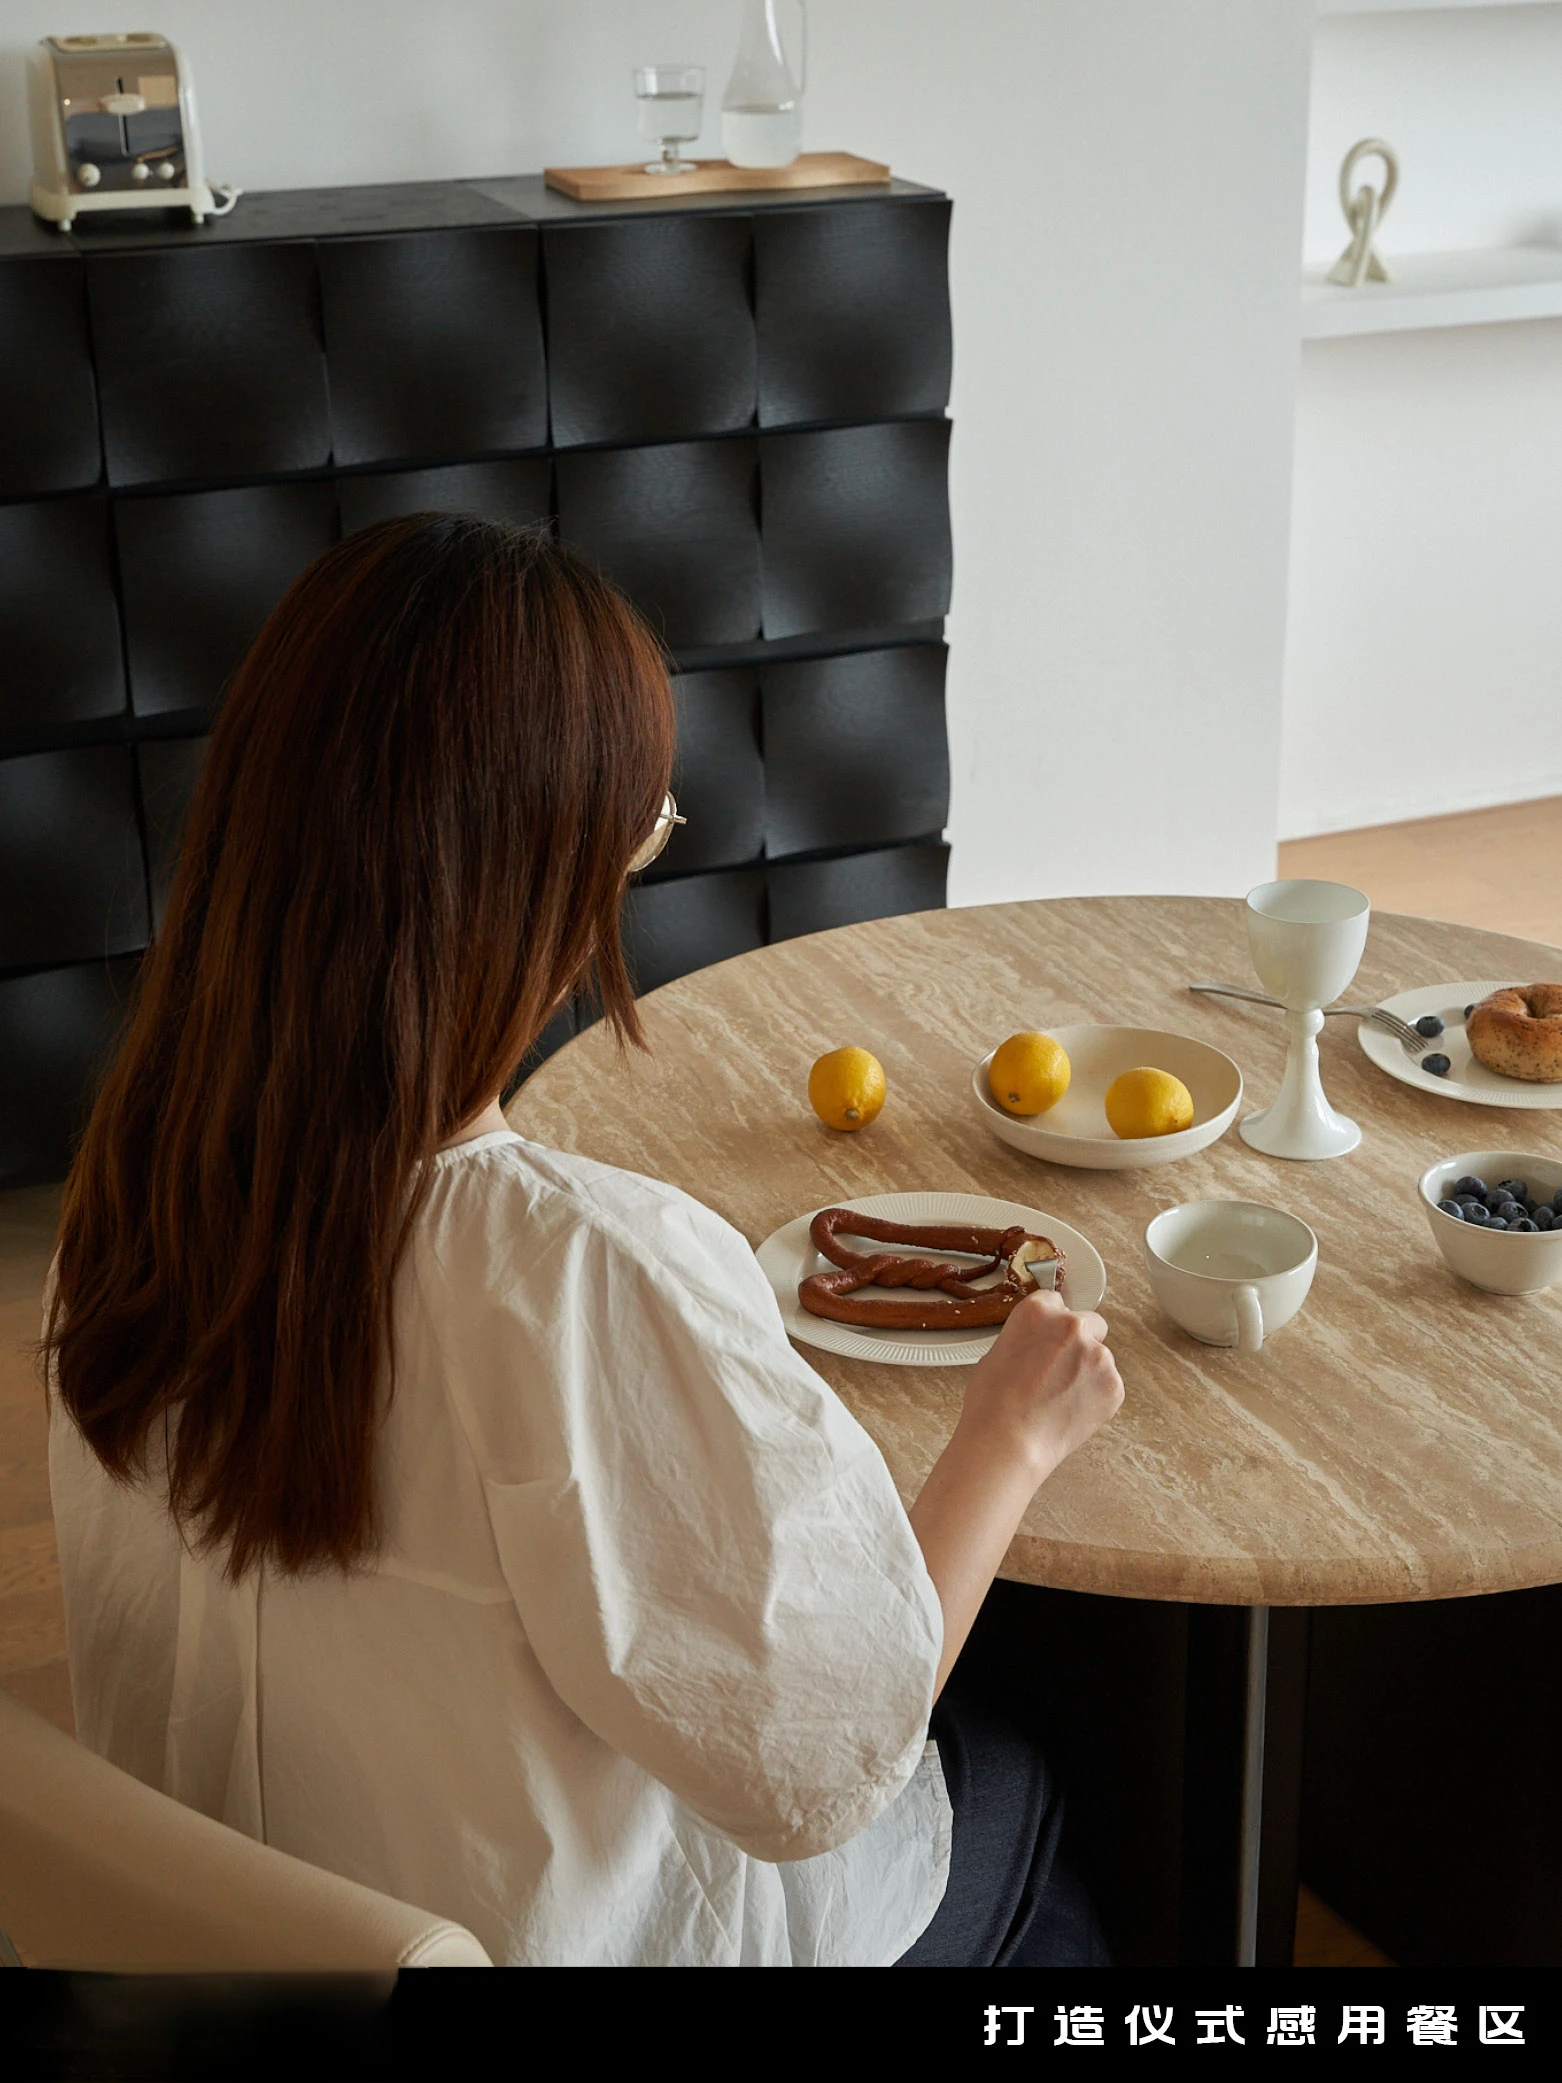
448, 1511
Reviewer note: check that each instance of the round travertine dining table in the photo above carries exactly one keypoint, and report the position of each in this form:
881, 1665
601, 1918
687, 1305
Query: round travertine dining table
1400, 1439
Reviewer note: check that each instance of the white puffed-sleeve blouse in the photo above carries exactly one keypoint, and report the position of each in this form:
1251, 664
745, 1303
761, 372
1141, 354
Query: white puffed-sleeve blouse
643, 1668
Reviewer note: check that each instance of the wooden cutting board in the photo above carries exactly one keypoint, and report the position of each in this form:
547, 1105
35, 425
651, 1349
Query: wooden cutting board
601, 184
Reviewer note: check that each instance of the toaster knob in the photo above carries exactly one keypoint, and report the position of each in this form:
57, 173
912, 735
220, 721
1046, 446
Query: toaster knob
166, 170
123, 104
88, 174
140, 171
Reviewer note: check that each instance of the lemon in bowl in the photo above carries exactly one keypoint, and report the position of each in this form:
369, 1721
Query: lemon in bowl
1145, 1101
1028, 1073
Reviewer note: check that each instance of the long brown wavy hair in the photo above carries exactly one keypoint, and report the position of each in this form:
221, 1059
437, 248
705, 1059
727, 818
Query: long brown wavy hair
408, 844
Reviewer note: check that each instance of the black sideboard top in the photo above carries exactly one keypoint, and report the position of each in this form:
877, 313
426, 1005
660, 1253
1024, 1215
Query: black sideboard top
398, 206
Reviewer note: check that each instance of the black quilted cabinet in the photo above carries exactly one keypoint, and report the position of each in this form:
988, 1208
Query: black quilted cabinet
735, 406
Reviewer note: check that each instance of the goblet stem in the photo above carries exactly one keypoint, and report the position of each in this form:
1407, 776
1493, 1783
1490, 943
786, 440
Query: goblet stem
1301, 1123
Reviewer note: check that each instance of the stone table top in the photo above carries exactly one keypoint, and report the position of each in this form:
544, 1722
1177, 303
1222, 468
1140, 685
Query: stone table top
1400, 1439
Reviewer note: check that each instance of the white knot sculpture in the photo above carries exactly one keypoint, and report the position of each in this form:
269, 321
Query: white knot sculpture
1364, 213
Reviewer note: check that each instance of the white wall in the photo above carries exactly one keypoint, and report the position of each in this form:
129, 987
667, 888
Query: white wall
1424, 670
1425, 664
1127, 177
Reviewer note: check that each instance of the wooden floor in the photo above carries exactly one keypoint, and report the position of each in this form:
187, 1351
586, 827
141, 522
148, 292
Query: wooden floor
1501, 869
1495, 868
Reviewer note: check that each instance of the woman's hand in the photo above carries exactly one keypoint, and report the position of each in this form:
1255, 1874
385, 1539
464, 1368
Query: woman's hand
1047, 1383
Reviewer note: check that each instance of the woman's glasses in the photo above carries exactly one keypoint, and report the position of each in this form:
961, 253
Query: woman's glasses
661, 832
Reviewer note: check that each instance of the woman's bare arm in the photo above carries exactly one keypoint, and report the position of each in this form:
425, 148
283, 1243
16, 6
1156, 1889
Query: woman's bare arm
1047, 1384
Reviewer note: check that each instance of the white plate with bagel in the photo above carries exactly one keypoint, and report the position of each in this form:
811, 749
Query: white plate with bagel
1465, 1078
788, 1256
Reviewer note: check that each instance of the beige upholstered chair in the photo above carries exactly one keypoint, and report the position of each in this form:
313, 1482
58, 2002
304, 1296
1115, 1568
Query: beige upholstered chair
97, 1871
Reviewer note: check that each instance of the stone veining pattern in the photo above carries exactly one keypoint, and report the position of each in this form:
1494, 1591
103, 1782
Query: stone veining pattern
1400, 1439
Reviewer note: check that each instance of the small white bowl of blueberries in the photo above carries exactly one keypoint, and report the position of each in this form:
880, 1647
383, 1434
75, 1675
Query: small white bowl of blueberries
1497, 1218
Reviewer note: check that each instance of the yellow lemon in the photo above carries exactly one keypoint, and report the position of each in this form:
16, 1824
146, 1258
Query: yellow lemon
847, 1088
1146, 1102
1028, 1073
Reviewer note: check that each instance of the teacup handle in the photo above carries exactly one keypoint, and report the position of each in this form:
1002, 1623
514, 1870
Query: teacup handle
1250, 1320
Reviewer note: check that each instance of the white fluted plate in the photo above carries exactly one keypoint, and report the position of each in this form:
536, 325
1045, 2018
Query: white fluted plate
787, 1256
1467, 1079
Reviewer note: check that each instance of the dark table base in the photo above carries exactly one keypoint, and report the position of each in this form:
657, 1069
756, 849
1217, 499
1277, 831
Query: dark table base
1405, 1761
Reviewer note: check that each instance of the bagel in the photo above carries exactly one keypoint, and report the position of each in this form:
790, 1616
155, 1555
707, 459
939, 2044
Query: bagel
1518, 1033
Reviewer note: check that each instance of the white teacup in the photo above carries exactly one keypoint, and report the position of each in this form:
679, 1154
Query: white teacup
1230, 1272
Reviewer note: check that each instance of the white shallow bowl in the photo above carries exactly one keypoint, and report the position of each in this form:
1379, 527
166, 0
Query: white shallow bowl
1076, 1132
1497, 1260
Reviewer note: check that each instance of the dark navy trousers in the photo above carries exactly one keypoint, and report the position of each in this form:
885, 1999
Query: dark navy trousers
1011, 1900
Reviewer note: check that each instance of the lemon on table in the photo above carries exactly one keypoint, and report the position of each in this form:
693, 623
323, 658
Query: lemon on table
1028, 1073
846, 1088
1147, 1102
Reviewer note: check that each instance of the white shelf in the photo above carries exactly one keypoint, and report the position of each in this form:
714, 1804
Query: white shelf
1486, 287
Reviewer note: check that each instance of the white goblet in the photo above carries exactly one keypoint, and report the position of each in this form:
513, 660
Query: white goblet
1306, 940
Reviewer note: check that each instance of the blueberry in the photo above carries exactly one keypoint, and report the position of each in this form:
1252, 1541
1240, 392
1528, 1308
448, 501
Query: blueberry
1429, 1025
1476, 1212
1494, 1200
1509, 1208
1495, 1222
1451, 1208
1470, 1184
1524, 1223
1438, 1065
1556, 1200
1545, 1218
1515, 1189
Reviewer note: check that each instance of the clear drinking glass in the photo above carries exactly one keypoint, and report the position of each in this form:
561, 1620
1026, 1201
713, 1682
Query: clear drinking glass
671, 99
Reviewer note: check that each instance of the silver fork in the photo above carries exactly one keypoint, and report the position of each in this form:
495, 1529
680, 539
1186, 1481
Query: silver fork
1412, 1043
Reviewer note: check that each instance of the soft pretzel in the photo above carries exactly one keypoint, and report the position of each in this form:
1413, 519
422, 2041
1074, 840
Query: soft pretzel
1518, 1033
1028, 1262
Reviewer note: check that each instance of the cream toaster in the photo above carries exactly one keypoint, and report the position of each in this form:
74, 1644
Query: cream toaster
114, 128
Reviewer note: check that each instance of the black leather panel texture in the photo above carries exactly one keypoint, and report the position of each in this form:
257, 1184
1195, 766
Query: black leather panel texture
852, 310
855, 749
201, 571
60, 660
434, 344
57, 1030
70, 857
670, 928
677, 527
210, 362
856, 527
520, 491
719, 778
650, 330
49, 417
810, 896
